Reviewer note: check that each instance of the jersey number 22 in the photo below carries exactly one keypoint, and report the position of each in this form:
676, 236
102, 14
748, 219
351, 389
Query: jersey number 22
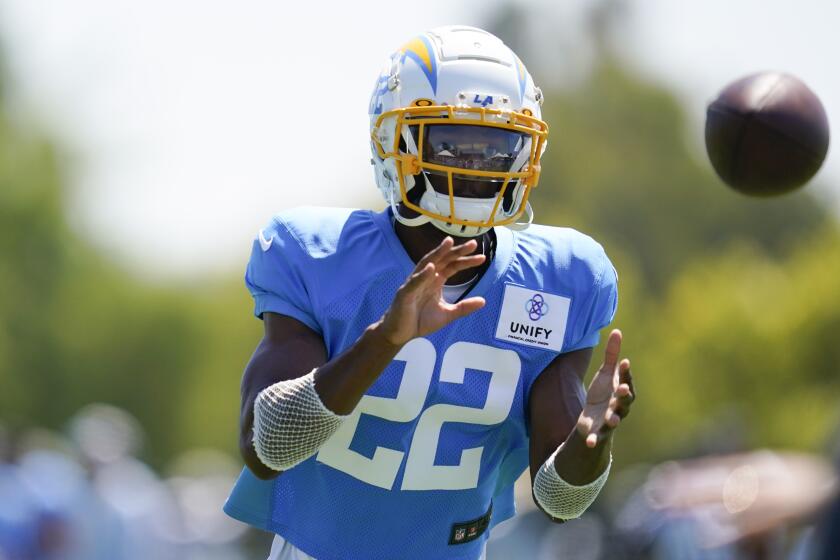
420, 471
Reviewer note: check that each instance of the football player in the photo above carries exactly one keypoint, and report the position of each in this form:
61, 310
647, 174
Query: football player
417, 360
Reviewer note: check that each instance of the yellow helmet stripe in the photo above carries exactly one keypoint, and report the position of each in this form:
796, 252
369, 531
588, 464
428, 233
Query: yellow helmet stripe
420, 49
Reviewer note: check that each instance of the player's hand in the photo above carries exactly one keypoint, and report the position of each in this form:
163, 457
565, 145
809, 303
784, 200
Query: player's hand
609, 397
419, 308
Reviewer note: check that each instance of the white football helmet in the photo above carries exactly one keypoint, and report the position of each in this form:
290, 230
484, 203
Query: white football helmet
454, 111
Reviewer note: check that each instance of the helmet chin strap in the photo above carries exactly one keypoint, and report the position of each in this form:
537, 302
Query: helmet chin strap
529, 219
469, 231
419, 220
445, 227
431, 200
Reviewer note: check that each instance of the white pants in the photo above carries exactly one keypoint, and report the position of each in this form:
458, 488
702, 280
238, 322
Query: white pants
284, 550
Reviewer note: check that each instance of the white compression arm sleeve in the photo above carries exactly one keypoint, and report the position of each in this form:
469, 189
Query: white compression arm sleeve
559, 498
291, 423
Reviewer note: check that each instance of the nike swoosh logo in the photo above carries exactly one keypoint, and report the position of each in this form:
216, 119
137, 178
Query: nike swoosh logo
265, 243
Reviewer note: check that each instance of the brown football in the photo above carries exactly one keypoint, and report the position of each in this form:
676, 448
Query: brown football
766, 134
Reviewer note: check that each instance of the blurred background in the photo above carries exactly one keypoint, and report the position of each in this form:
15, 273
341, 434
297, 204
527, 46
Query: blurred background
142, 145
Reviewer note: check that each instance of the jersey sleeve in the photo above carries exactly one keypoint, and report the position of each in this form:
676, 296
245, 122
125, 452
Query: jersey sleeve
598, 308
277, 276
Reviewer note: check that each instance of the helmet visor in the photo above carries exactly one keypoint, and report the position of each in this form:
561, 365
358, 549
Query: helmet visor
481, 148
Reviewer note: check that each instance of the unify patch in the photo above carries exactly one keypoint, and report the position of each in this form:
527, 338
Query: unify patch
533, 318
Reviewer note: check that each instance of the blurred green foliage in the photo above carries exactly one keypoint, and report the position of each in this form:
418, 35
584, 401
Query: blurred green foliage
730, 306
75, 328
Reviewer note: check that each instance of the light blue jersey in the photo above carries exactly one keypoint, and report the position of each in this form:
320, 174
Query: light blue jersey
427, 461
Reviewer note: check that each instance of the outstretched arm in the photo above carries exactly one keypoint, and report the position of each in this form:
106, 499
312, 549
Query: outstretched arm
290, 350
573, 425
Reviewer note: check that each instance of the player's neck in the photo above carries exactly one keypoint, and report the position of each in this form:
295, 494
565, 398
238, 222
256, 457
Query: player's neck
419, 240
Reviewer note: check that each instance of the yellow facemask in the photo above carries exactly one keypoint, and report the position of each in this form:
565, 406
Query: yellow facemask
424, 114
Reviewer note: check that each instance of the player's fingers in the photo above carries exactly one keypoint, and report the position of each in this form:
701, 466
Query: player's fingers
435, 254
592, 440
625, 377
612, 351
610, 422
419, 279
464, 248
611, 419
622, 400
622, 410
454, 253
465, 307
461, 263
625, 394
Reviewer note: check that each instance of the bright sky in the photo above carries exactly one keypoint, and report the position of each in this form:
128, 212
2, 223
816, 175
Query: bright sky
192, 121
